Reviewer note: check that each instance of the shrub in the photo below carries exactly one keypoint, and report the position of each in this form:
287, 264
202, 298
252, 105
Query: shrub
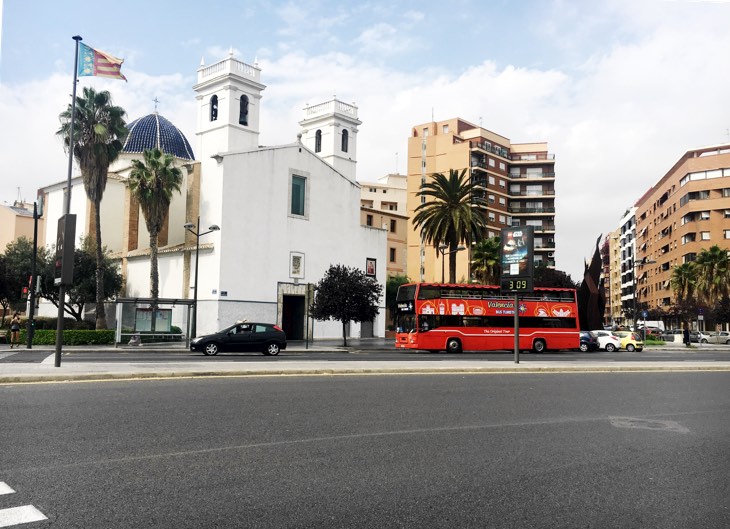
70, 337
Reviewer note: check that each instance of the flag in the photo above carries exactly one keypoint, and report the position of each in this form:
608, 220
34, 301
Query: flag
98, 63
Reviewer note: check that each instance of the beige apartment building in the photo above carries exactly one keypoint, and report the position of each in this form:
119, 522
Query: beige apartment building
687, 211
517, 183
383, 205
613, 295
16, 221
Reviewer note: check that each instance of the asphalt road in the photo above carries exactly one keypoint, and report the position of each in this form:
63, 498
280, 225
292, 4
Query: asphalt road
520, 451
375, 354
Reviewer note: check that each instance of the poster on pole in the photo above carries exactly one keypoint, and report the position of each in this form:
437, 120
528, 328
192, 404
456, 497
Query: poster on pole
516, 258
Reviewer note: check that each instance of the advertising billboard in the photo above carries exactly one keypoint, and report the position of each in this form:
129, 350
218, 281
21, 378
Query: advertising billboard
516, 258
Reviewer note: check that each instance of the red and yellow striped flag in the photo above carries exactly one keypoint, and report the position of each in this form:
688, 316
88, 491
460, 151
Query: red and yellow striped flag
98, 63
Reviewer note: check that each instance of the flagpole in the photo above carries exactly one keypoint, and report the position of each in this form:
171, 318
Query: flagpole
67, 205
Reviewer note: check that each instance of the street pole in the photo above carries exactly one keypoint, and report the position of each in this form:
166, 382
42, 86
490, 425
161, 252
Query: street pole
195, 292
31, 293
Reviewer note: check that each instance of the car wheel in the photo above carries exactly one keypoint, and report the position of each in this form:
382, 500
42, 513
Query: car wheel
272, 349
703, 340
630, 348
610, 348
210, 349
539, 346
584, 347
453, 346
727, 343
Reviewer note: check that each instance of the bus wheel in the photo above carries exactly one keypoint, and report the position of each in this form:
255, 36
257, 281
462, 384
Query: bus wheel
539, 346
453, 346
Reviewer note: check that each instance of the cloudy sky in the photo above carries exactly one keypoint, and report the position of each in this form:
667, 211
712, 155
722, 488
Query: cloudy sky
619, 89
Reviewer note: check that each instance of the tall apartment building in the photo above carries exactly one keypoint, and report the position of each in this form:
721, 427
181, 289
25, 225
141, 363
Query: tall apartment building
687, 211
517, 183
613, 307
627, 244
383, 205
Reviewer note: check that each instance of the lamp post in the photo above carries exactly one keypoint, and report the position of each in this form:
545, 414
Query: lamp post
189, 226
442, 248
636, 265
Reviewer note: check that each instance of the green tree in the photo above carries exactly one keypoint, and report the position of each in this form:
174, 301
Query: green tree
391, 291
346, 294
450, 214
152, 183
18, 265
721, 311
713, 274
683, 281
83, 290
485, 257
549, 277
99, 129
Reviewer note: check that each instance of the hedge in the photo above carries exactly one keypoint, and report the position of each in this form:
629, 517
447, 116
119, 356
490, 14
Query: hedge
70, 337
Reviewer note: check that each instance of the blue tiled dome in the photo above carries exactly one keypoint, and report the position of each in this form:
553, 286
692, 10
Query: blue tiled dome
155, 131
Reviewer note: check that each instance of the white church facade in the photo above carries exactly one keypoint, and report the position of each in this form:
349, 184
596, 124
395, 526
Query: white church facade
286, 212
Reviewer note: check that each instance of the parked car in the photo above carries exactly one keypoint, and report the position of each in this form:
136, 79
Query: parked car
588, 341
242, 337
722, 337
631, 341
698, 337
607, 340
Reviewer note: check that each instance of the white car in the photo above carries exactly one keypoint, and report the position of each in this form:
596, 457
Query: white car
607, 340
722, 337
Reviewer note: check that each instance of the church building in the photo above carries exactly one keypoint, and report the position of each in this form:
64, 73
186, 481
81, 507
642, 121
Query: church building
285, 212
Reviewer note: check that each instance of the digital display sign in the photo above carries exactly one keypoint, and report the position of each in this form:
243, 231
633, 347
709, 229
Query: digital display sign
516, 258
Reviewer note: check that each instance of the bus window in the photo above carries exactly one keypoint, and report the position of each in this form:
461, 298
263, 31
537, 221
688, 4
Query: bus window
406, 293
429, 292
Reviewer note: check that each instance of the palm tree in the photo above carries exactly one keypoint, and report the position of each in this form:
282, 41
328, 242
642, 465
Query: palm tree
152, 183
684, 277
99, 129
485, 260
713, 274
448, 216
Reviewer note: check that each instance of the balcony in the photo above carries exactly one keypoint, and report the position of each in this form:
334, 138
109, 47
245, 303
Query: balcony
527, 211
533, 193
532, 176
544, 227
532, 157
488, 147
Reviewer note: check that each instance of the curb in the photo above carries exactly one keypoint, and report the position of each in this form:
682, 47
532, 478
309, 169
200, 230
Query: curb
96, 377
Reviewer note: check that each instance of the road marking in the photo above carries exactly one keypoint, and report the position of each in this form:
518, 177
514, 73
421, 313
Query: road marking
50, 359
18, 515
647, 424
5, 489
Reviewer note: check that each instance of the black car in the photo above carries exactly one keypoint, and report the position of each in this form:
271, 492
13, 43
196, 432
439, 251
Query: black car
588, 341
242, 337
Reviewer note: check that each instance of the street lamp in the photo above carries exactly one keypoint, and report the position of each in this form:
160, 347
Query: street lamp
643, 262
191, 228
442, 248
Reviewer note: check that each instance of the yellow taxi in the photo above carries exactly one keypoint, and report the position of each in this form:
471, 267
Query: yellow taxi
631, 341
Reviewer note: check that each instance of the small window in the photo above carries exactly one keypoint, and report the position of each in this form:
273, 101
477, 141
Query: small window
502, 201
491, 162
446, 129
491, 216
392, 255
369, 220
727, 234
491, 180
425, 132
491, 199
502, 166
345, 140
318, 142
502, 219
243, 111
214, 108
705, 235
392, 225
502, 183
298, 190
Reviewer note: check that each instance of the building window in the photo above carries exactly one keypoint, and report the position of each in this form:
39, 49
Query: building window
502, 183
502, 201
705, 235
392, 255
392, 225
491, 162
491, 180
298, 195
425, 132
491, 216
345, 139
491, 199
214, 108
502, 219
502, 166
704, 215
243, 111
369, 220
446, 129
318, 142
727, 234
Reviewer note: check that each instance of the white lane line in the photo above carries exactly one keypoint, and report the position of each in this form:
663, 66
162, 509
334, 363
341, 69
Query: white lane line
50, 359
18, 515
5, 489
5, 355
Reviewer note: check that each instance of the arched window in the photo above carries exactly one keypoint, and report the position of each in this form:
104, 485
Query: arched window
214, 108
318, 141
344, 140
243, 112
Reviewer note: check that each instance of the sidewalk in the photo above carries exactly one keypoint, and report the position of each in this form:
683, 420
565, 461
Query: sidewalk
45, 371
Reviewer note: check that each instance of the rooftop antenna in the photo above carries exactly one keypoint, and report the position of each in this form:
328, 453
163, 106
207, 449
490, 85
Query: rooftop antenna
18, 199
432, 114
480, 121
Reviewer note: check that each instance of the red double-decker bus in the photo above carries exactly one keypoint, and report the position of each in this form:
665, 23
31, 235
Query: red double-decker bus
458, 318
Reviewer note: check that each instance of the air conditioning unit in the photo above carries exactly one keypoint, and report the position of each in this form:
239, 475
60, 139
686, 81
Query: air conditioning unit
551, 254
